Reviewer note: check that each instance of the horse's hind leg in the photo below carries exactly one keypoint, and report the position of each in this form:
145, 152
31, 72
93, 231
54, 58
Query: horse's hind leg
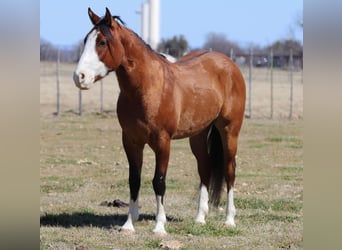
199, 147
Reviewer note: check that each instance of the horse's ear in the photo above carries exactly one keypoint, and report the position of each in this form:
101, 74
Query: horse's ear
93, 17
109, 18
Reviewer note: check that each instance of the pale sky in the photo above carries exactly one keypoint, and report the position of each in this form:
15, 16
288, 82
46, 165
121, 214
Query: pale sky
246, 22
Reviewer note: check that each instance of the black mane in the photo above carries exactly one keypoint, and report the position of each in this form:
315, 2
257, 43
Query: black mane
118, 18
103, 21
103, 27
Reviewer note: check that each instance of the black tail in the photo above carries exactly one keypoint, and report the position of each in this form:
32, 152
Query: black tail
215, 150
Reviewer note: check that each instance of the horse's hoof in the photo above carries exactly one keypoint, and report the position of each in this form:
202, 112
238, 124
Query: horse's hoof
160, 234
230, 224
126, 231
200, 221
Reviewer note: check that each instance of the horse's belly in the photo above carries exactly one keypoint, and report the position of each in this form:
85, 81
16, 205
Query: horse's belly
189, 131
195, 120
199, 109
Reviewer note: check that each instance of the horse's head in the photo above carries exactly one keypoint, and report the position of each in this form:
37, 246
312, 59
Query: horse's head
103, 51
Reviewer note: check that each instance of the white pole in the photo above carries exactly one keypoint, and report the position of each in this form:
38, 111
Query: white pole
145, 18
154, 24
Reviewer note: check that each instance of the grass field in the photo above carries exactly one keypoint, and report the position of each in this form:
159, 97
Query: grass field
82, 163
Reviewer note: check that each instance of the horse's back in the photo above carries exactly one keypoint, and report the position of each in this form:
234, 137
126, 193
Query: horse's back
209, 62
210, 67
206, 82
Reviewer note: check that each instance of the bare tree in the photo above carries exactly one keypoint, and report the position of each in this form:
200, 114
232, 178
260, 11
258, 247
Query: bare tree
219, 42
282, 47
71, 54
175, 46
48, 51
299, 20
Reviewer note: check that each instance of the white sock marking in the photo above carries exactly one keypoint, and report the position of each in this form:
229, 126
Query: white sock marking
160, 217
231, 211
133, 216
203, 207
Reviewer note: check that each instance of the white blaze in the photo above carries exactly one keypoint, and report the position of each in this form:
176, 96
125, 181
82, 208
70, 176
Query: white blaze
89, 65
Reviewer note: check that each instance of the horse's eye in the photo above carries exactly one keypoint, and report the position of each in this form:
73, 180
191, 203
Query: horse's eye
102, 43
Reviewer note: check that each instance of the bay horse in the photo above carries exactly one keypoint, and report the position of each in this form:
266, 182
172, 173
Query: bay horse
201, 96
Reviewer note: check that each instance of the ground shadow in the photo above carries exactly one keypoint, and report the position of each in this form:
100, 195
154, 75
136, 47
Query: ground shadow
84, 219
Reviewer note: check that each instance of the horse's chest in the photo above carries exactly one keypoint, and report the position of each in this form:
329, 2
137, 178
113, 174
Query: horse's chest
134, 118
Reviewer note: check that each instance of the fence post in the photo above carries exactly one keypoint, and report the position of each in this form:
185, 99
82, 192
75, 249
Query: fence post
57, 83
101, 96
250, 83
80, 102
291, 82
271, 66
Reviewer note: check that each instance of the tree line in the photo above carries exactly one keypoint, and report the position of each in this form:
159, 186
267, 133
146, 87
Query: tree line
178, 46
69, 54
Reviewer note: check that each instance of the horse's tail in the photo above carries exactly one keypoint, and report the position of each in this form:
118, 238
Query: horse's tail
215, 150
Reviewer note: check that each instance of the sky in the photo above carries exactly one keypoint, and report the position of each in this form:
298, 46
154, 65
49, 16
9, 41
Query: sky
246, 22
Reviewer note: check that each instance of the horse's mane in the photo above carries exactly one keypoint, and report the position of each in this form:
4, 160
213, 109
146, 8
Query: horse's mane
146, 45
142, 41
102, 23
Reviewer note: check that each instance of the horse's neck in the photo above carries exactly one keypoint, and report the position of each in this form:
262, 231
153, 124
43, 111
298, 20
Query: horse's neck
138, 64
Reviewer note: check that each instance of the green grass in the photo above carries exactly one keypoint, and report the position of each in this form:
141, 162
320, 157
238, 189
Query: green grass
60, 184
152, 244
82, 163
291, 142
268, 217
211, 228
262, 204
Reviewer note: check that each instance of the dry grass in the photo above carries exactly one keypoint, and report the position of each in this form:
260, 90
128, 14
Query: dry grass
260, 94
82, 163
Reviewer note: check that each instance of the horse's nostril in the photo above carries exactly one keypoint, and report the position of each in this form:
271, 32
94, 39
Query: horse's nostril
81, 76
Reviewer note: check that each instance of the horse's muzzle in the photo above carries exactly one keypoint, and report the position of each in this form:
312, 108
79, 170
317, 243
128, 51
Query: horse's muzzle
81, 81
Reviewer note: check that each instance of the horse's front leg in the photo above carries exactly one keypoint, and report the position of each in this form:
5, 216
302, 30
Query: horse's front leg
134, 152
161, 147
